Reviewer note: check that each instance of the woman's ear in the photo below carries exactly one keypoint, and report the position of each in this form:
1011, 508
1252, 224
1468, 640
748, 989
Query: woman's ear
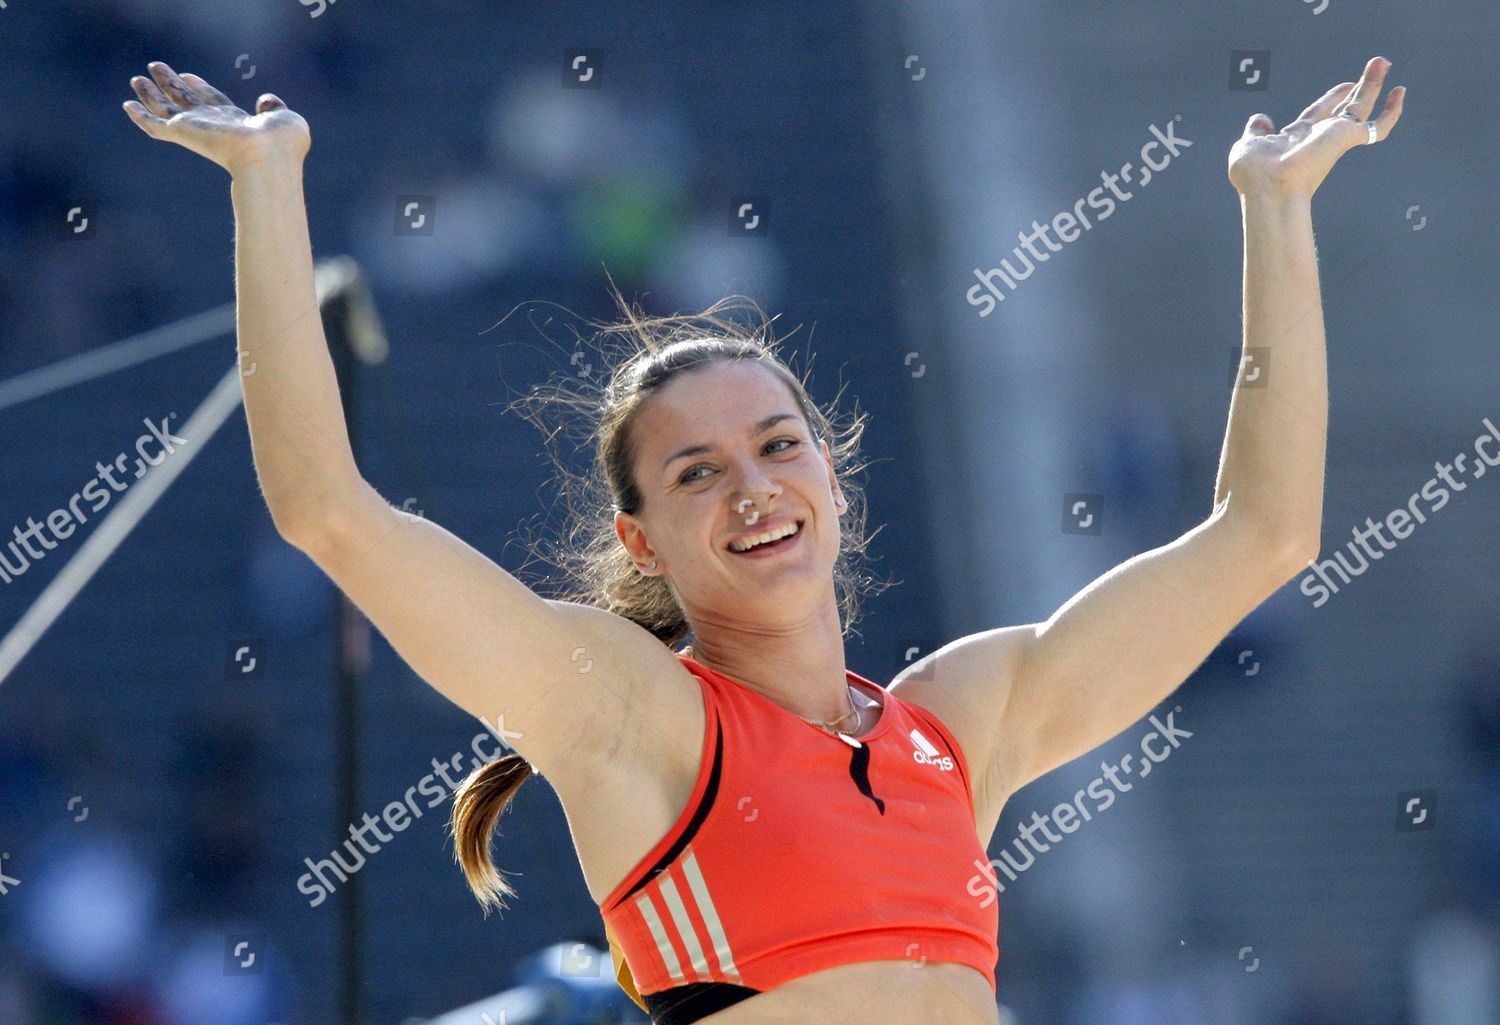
839, 501
633, 537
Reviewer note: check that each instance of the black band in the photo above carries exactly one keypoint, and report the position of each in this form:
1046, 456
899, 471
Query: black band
683, 1005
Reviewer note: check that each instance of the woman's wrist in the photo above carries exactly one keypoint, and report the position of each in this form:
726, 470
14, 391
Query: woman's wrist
1274, 200
1269, 211
272, 161
269, 177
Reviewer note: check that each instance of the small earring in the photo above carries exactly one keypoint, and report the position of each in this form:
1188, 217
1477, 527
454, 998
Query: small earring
644, 568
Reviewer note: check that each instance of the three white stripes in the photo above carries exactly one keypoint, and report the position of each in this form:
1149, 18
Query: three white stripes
684, 925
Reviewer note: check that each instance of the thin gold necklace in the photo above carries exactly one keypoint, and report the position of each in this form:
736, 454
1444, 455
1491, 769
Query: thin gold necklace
829, 726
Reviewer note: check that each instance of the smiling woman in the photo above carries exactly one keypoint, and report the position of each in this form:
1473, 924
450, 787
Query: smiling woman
643, 357
722, 495
769, 836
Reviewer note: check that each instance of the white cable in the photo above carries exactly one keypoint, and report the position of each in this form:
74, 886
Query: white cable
119, 522
328, 276
107, 359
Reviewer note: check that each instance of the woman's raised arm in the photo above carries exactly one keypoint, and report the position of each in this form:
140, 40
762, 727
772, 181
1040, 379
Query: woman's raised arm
467, 627
297, 434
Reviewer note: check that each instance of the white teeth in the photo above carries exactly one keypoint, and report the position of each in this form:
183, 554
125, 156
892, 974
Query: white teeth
745, 544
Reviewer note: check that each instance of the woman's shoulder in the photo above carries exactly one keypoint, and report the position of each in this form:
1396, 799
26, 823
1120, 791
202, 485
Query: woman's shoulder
629, 647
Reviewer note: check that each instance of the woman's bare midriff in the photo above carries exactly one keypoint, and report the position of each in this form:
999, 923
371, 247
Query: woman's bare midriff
871, 993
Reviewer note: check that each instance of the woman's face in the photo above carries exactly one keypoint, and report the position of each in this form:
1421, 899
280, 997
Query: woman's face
723, 453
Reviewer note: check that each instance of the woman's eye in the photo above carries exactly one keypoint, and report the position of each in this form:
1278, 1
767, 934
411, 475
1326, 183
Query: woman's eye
688, 478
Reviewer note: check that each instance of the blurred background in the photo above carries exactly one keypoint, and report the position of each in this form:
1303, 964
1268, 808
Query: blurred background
1324, 848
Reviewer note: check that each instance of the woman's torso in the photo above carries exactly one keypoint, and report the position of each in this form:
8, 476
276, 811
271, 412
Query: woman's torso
618, 818
871, 993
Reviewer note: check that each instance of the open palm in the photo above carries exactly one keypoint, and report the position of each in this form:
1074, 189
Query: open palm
186, 110
1295, 160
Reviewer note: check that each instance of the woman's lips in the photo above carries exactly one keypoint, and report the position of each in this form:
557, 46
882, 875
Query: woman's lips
765, 550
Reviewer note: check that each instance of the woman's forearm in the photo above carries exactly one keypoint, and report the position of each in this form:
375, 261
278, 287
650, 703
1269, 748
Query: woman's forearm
1274, 447
297, 433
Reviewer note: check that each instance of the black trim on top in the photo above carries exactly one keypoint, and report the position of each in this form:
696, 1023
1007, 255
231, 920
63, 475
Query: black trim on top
859, 771
683, 1005
694, 824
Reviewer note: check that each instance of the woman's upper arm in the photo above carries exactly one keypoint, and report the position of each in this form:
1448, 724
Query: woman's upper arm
564, 677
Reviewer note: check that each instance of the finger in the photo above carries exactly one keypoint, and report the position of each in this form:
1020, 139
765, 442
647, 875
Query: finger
1258, 125
1391, 114
147, 121
268, 101
172, 84
152, 98
1362, 100
1323, 105
207, 91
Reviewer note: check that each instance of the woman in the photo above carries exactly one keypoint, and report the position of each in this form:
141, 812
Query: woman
770, 836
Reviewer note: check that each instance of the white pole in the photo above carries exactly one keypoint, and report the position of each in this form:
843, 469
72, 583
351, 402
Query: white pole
328, 276
119, 522
127, 352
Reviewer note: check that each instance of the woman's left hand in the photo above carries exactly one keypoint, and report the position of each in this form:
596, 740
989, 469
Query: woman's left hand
1295, 160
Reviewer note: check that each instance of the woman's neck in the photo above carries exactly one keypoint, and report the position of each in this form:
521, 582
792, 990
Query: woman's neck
805, 675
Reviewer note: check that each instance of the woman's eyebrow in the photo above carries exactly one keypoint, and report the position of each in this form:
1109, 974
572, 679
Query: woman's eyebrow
759, 428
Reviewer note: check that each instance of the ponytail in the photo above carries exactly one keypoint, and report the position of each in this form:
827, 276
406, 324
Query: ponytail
477, 804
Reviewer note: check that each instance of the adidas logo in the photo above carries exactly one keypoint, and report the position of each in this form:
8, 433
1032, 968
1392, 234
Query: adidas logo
926, 754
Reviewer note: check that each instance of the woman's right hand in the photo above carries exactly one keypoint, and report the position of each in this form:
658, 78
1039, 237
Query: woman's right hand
188, 111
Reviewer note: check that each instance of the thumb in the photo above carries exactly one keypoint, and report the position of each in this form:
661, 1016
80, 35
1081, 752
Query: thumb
1259, 124
268, 101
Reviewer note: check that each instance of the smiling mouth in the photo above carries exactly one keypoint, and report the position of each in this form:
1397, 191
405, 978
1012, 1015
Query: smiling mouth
779, 542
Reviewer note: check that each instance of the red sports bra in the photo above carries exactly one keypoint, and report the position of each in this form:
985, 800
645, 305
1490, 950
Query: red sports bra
799, 851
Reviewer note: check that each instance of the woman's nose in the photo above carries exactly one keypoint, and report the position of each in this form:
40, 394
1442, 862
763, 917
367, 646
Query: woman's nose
753, 497
751, 476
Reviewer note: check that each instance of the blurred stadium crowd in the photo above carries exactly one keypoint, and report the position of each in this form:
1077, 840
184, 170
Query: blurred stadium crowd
154, 812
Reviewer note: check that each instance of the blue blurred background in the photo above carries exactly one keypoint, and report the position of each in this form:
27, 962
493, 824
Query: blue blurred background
158, 804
